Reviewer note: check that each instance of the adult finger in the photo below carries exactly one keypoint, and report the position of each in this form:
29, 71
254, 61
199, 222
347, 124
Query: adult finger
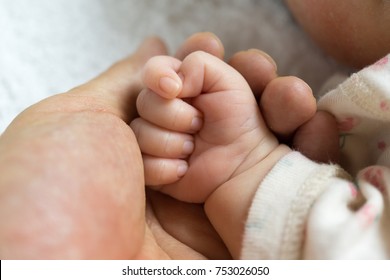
286, 104
115, 90
318, 139
202, 41
256, 67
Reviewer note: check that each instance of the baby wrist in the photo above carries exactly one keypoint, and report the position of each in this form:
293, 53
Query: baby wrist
227, 207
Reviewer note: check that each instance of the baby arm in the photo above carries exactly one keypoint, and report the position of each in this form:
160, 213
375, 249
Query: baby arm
220, 161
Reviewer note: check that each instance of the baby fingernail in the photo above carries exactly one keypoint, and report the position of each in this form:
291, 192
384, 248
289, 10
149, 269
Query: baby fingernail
196, 123
188, 147
182, 169
169, 86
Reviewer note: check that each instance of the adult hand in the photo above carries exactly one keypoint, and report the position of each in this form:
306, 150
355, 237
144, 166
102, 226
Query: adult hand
72, 185
72, 181
289, 108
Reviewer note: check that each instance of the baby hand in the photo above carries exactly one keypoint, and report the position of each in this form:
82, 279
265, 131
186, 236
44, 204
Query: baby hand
183, 156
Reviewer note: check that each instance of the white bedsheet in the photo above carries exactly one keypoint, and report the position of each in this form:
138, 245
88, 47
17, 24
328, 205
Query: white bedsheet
50, 46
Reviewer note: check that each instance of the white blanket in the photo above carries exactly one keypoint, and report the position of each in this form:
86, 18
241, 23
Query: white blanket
50, 46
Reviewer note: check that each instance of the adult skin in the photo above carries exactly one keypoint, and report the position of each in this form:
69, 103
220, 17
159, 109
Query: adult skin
355, 32
72, 183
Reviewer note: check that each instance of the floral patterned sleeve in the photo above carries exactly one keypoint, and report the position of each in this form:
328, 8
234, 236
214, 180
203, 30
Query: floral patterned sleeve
306, 210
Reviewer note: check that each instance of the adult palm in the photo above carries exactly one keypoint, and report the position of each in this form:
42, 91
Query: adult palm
72, 183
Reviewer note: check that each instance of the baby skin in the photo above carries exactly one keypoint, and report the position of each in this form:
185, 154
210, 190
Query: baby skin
204, 139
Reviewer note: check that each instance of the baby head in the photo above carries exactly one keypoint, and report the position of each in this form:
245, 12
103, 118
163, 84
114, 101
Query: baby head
355, 32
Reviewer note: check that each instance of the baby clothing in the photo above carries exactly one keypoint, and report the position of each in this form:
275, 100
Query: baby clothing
307, 210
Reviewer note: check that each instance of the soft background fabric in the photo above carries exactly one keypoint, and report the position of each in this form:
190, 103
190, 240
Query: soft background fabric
50, 46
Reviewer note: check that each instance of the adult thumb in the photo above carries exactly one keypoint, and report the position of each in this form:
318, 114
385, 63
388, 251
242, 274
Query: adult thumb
117, 88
